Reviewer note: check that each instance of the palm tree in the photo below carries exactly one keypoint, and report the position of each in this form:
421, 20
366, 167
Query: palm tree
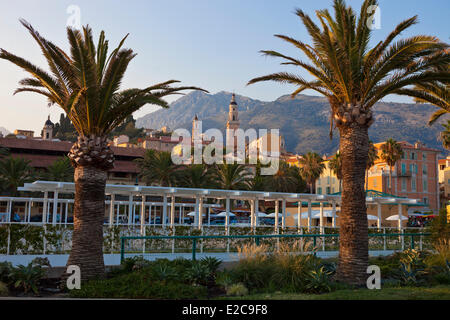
353, 77
195, 176
391, 152
14, 173
85, 83
311, 167
335, 165
445, 135
231, 176
157, 168
3, 152
60, 170
284, 180
371, 158
434, 92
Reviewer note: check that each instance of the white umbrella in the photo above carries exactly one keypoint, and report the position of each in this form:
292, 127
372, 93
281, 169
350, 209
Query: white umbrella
224, 214
315, 214
395, 217
370, 217
261, 214
193, 214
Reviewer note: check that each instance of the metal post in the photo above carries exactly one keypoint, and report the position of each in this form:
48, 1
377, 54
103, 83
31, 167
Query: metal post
111, 210
379, 215
283, 214
276, 216
334, 214
196, 210
130, 209
227, 221
252, 214
142, 218
172, 211
55, 207
44, 207
200, 213
309, 215
299, 215
321, 218
257, 212
164, 215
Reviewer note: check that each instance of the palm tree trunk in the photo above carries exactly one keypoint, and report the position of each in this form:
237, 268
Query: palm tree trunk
89, 212
390, 179
353, 242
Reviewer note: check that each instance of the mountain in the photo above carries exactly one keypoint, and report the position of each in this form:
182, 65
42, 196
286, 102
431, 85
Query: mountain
303, 121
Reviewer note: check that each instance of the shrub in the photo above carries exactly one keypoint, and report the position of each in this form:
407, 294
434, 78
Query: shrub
318, 281
211, 263
5, 271
237, 289
4, 292
27, 277
139, 285
198, 274
42, 262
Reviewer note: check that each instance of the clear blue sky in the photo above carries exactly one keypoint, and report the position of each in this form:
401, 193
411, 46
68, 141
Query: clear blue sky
213, 44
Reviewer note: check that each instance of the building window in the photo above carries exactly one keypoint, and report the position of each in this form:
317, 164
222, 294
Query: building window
424, 169
403, 168
413, 184
328, 180
424, 156
318, 181
425, 200
413, 155
425, 186
328, 190
403, 184
319, 190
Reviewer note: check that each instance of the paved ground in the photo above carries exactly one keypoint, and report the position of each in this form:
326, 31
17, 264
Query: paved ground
58, 260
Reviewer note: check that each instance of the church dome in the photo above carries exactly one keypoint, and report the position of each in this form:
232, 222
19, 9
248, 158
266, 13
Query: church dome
49, 123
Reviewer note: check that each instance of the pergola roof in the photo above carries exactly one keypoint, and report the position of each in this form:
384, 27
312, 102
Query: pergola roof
69, 187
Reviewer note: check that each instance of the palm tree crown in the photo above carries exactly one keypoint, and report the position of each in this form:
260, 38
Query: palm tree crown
311, 167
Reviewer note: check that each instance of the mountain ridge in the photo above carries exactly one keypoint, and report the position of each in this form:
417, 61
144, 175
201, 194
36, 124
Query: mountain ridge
303, 121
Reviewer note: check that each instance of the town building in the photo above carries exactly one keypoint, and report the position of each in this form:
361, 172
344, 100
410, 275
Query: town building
328, 182
24, 133
414, 176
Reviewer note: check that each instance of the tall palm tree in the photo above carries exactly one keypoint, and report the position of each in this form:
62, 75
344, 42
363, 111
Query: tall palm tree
391, 153
85, 83
372, 156
311, 167
158, 168
353, 77
195, 176
231, 176
335, 165
14, 173
60, 170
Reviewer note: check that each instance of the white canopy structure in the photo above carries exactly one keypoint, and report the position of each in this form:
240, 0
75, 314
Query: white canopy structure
169, 194
371, 217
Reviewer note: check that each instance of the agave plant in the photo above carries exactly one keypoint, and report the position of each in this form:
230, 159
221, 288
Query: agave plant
85, 83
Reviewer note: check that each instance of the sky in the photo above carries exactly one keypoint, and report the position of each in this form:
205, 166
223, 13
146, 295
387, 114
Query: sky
213, 44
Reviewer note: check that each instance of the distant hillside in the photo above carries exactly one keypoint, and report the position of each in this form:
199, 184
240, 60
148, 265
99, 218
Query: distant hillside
303, 121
